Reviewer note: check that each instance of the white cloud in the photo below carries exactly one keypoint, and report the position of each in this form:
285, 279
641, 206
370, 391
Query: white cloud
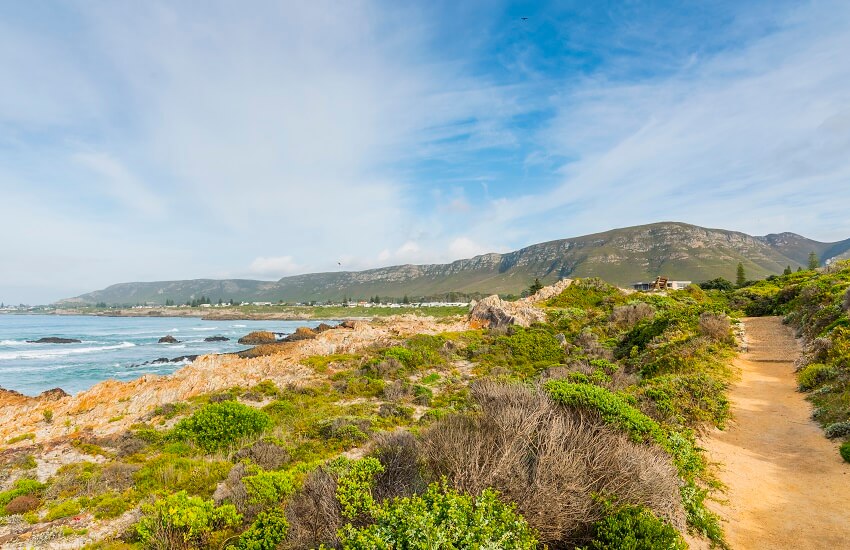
464, 247
277, 266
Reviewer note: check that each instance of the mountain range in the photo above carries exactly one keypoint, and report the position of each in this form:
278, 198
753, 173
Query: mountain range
621, 256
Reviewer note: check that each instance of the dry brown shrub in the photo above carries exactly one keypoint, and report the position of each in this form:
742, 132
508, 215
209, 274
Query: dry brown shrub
632, 314
118, 476
267, 456
232, 490
388, 368
549, 461
397, 390
399, 454
313, 513
22, 504
589, 342
715, 326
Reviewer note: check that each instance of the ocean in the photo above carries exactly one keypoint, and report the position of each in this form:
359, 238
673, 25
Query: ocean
111, 347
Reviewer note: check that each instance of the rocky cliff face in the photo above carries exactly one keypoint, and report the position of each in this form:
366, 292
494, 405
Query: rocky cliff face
620, 256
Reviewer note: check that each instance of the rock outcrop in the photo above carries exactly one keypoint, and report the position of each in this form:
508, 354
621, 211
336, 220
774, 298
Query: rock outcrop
168, 340
216, 339
258, 337
54, 340
493, 312
301, 333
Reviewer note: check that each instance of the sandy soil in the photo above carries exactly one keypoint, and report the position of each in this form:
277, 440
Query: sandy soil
787, 485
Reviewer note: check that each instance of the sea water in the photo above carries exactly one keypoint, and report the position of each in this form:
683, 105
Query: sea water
119, 348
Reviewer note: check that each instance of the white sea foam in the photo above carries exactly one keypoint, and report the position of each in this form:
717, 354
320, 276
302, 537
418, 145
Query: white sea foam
238, 326
204, 328
12, 342
45, 353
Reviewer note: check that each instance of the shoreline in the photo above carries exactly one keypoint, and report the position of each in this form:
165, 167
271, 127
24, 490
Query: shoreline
280, 313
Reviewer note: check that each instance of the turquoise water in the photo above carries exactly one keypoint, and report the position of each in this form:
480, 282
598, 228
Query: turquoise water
112, 347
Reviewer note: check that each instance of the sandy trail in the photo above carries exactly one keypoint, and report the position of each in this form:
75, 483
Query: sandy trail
787, 485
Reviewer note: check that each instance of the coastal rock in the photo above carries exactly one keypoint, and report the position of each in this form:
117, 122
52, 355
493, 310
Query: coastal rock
54, 340
301, 333
493, 312
216, 339
323, 327
258, 337
346, 324
168, 340
55, 393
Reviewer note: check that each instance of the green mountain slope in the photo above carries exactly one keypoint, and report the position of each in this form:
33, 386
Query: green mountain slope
621, 256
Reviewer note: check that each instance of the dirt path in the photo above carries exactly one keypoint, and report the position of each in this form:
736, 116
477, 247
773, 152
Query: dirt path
787, 485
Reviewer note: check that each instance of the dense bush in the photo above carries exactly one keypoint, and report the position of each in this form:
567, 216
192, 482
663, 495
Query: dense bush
812, 375
182, 522
548, 459
22, 504
219, 425
439, 518
634, 528
613, 409
266, 533
21, 487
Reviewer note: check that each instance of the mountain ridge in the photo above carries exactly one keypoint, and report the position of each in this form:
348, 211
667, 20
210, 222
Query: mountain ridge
620, 256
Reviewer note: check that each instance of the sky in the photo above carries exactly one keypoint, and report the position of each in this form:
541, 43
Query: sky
184, 139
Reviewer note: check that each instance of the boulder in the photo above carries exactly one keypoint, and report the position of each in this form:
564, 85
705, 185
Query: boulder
55, 393
54, 340
301, 333
346, 324
323, 327
258, 337
493, 312
216, 339
168, 340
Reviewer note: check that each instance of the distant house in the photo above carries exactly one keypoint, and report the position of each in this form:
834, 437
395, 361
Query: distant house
661, 283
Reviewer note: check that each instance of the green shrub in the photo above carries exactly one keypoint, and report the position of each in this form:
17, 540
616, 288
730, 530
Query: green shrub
813, 375
173, 473
613, 409
442, 518
182, 522
633, 528
844, 450
111, 505
533, 345
266, 533
219, 425
48, 416
269, 488
19, 438
63, 509
21, 487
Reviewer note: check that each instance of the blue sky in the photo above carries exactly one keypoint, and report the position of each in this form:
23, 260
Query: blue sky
170, 140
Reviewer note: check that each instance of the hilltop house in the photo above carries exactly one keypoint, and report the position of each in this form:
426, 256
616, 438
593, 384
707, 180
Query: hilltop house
661, 283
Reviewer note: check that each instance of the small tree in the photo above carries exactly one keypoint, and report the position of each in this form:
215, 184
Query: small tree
814, 262
405, 300
787, 270
741, 276
535, 286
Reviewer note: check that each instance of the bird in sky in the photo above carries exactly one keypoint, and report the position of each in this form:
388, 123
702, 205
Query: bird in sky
524, 18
